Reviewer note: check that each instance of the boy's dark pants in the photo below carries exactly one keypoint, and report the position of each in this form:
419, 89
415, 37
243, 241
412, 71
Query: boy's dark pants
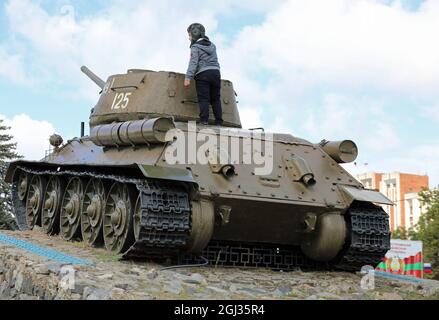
208, 84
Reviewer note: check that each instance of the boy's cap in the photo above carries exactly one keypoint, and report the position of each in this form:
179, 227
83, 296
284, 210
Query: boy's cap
197, 30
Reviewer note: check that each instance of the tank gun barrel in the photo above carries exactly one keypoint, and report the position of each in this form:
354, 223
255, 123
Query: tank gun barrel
93, 77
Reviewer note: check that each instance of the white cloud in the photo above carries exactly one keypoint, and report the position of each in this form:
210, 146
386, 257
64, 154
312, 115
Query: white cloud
350, 117
331, 118
281, 125
250, 117
432, 112
126, 35
12, 67
350, 46
32, 136
338, 42
382, 136
348, 43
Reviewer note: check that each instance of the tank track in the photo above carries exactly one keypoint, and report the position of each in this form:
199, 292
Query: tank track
19, 208
165, 226
165, 222
369, 237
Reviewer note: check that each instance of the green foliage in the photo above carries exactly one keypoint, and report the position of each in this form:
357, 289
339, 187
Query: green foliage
404, 234
427, 229
7, 153
400, 233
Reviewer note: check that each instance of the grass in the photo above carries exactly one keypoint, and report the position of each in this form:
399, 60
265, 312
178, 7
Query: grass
106, 256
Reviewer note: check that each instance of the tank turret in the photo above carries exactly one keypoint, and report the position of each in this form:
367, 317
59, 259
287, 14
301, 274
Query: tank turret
145, 94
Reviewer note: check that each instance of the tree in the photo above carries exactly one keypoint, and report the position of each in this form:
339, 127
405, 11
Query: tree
400, 233
427, 229
7, 153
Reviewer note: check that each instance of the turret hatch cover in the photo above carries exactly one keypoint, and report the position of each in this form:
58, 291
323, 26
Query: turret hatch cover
130, 81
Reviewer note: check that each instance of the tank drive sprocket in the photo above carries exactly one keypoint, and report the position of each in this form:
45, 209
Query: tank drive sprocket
369, 237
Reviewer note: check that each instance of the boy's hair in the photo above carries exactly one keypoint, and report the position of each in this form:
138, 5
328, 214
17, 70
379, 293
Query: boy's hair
197, 31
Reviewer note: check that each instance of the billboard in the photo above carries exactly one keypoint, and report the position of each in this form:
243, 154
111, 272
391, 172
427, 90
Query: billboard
403, 258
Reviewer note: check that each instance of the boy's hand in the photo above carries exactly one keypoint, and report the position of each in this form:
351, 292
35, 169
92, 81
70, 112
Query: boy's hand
187, 82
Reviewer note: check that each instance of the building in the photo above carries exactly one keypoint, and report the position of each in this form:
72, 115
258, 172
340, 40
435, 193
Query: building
402, 189
413, 208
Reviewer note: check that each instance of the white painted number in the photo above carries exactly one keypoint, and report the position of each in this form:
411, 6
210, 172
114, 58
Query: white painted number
121, 101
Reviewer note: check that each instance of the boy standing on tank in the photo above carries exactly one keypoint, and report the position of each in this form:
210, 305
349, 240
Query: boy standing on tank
205, 70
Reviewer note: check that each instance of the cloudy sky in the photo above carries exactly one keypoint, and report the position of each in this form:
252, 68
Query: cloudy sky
366, 70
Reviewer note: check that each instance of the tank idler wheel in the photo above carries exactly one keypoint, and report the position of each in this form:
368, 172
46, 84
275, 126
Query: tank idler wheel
34, 201
203, 222
327, 241
92, 211
52, 205
118, 217
70, 219
22, 185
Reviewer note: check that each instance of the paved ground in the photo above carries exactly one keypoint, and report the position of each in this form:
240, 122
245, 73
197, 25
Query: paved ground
109, 278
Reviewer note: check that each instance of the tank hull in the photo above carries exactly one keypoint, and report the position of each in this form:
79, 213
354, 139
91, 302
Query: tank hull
275, 209
148, 182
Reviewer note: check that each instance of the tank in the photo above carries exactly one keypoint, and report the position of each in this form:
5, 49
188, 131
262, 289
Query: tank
148, 182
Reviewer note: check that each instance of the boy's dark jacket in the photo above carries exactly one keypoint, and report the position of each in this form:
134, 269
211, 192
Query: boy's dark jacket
203, 57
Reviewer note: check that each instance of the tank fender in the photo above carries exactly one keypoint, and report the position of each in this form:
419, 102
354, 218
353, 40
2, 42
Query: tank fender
351, 194
167, 173
149, 171
10, 171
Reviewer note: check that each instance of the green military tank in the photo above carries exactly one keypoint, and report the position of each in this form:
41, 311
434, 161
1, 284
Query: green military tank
125, 185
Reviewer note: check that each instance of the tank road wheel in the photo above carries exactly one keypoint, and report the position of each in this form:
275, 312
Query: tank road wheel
71, 209
92, 211
22, 185
52, 204
118, 218
34, 201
